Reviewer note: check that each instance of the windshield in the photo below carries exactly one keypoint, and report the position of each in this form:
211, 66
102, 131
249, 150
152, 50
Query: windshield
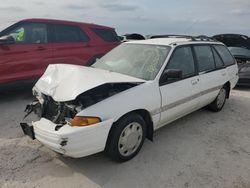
137, 60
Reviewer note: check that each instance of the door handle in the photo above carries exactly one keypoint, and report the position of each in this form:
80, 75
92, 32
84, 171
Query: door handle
194, 82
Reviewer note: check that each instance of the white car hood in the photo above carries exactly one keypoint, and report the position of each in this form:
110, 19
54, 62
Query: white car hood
65, 82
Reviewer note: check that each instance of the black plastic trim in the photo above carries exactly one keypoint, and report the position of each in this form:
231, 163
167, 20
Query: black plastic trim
28, 130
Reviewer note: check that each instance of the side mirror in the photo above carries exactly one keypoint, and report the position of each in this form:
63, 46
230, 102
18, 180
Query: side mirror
5, 40
171, 75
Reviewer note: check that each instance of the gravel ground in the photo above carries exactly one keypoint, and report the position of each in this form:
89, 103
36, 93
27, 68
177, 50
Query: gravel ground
203, 149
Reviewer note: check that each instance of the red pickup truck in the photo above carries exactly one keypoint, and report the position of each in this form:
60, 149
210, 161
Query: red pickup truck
29, 46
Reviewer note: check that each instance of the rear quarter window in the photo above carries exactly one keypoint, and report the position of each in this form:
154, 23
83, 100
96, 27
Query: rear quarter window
218, 62
224, 53
108, 35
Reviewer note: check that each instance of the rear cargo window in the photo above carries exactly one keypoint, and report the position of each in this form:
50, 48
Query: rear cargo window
225, 54
67, 33
108, 35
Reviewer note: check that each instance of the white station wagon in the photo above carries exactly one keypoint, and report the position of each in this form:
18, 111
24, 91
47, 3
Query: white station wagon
125, 96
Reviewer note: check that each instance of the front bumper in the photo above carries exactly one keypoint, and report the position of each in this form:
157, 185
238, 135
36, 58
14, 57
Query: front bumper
72, 141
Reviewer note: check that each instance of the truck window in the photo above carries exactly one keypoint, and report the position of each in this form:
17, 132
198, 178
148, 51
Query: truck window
68, 33
108, 35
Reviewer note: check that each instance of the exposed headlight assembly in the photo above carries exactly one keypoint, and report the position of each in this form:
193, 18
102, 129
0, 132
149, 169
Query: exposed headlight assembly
80, 121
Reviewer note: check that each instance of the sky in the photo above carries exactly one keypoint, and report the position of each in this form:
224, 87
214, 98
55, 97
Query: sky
196, 17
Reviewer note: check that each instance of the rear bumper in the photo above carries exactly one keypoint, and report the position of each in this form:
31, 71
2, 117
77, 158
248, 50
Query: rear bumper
72, 141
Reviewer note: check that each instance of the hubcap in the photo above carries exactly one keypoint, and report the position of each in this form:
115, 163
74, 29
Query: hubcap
130, 139
221, 98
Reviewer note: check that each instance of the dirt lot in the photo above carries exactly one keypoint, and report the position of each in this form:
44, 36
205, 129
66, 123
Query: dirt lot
203, 149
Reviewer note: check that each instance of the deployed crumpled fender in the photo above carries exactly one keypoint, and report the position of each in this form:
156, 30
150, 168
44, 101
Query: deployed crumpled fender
65, 82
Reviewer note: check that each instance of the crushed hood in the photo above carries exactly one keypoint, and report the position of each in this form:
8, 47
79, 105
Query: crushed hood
65, 82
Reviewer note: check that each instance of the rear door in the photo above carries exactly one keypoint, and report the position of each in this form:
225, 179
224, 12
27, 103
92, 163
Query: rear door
180, 97
213, 74
25, 59
70, 44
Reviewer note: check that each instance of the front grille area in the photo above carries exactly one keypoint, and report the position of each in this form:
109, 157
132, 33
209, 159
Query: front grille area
51, 109
57, 111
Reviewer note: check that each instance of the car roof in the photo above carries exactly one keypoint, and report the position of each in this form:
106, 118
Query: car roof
55, 21
172, 41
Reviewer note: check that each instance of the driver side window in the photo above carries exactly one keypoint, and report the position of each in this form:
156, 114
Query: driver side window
183, 60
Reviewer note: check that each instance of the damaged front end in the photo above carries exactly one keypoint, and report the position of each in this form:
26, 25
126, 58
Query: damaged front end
55, 129
62, 93
57, 112
62, 113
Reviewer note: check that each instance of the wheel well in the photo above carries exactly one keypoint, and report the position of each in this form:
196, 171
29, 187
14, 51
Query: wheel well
148, 120
228, 86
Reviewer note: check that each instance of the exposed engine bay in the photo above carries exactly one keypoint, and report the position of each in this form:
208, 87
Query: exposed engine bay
61, 112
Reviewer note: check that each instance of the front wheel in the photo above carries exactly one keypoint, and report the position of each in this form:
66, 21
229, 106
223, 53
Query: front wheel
126, 138
220, 100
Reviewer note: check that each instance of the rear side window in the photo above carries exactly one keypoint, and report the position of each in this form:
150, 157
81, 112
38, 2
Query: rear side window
108, 35
225, 54
205, 58
67, 33
182, 59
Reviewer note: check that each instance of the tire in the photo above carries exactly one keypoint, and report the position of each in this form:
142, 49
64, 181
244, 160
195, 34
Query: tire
126, 138
220, 100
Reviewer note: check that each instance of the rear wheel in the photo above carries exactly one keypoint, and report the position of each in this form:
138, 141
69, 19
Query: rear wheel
126, 138
220, 100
